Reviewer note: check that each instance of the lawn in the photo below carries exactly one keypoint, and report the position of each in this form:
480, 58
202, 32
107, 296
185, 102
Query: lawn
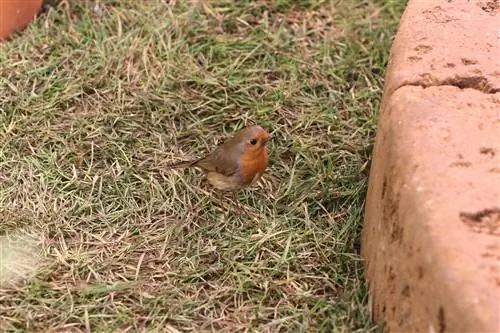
97, 97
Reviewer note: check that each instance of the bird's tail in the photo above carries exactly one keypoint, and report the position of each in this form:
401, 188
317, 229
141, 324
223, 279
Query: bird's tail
180, 165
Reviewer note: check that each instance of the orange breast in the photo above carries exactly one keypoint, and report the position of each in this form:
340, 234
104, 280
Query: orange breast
253, 163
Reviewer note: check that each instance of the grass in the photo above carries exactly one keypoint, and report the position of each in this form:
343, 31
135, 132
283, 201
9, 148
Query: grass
96, 97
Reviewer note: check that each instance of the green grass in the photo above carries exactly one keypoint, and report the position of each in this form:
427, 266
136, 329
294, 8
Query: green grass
97, 98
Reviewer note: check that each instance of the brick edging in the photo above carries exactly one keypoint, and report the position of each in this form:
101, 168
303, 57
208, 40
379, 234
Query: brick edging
431, 237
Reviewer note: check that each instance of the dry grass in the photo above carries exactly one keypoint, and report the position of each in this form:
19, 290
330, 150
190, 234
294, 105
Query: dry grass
97, 97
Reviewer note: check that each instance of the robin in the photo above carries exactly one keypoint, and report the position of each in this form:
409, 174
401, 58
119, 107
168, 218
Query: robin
237, 163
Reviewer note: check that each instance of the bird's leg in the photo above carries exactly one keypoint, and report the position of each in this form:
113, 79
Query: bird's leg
244, 211
237, 203
239, 208
220, 196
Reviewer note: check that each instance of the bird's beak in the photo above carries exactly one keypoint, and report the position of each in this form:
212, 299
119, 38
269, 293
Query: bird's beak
269, 138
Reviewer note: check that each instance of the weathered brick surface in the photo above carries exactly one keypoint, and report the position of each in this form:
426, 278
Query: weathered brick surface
447, 42
431, 239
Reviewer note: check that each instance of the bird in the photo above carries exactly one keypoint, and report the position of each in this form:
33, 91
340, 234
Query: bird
237, 163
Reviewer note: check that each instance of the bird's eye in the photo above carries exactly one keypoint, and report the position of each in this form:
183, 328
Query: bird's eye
253, 142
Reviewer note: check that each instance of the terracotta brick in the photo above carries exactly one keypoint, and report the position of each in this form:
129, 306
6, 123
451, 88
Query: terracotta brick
447, 42
16, 14
431, 237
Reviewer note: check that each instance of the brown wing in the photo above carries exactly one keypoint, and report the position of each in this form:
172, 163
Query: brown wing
224, 159
220, 161
180, 165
